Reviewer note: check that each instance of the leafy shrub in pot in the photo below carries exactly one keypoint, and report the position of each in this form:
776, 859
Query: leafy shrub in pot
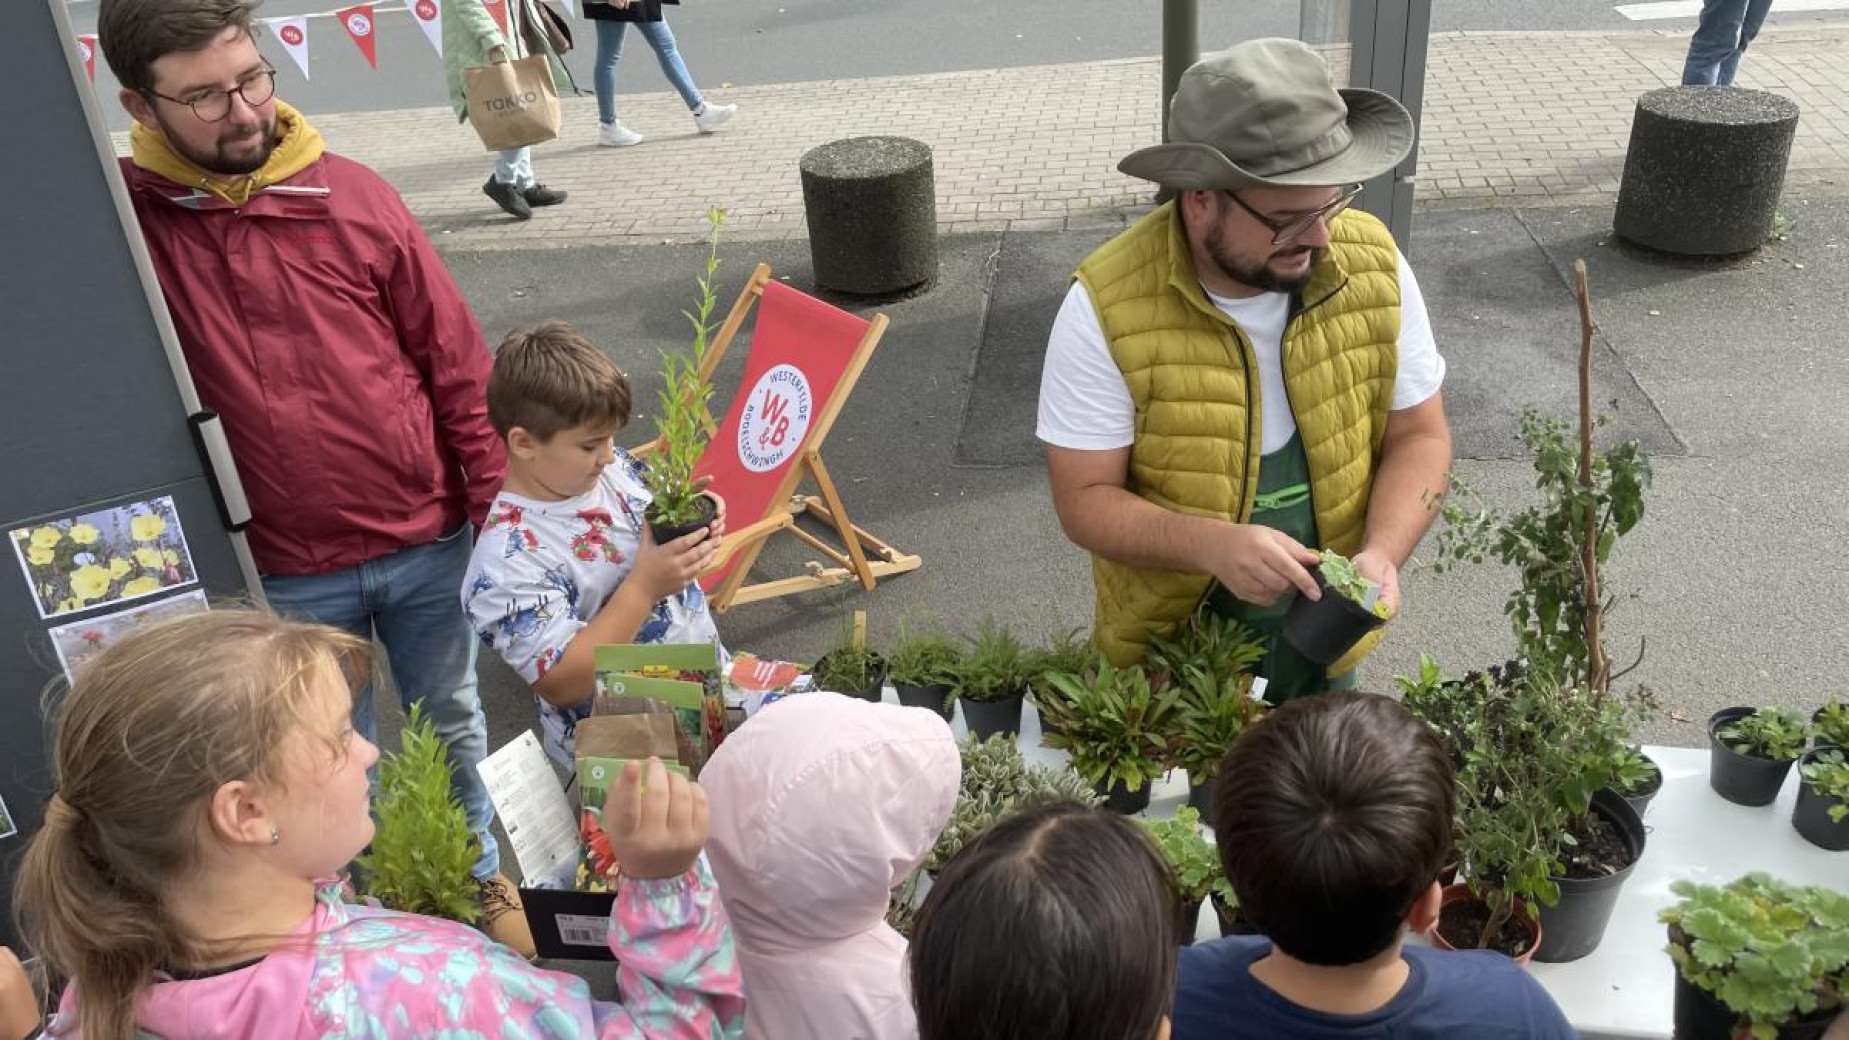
1821, 814
998, 781
1830, 725
1751, 750
1193, 865
990, 680
1116, 726
923, 668
423, 849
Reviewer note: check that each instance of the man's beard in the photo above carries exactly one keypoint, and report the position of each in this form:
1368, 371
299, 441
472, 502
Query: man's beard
221, 162
1258, 276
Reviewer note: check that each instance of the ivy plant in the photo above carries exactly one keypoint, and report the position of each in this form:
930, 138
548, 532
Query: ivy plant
1774, 953
684, 422
1828, 775
423, 848
1778, 734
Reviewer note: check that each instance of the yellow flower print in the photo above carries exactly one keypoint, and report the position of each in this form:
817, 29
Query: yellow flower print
119, 568
83, 534
68, 605
46, 537
141, 587
149, 558
146, 528
40, 557
171, 557
90, 581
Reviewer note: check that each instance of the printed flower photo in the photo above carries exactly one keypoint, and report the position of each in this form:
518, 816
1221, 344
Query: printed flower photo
109, 556
79, 641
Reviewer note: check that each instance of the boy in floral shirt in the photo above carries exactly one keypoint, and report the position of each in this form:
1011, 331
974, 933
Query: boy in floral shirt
565, 562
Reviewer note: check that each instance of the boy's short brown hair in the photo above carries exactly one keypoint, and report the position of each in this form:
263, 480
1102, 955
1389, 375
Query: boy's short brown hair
1333, 815
549, 378
134, 34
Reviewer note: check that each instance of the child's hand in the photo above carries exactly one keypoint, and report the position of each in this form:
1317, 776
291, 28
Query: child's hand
655, 828
716, 529
19, 1006
663, 570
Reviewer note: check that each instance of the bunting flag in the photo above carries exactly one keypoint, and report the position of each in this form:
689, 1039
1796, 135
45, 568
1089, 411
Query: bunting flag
86, 49
498, 8
292, 33
566, 7
430, 17
357, 20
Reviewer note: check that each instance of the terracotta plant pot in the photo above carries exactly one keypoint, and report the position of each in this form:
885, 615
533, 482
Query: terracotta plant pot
1741, 779
1460, 893
665, 533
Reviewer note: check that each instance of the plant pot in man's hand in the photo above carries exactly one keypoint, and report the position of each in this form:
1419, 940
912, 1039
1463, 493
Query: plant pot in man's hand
1741, 769
1325, 629
665, 531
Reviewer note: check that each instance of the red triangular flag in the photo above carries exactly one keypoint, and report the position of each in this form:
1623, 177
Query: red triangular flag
498, 8
86, 46
357, 20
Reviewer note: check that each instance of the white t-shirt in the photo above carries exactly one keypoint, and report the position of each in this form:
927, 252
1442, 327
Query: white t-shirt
1085, 403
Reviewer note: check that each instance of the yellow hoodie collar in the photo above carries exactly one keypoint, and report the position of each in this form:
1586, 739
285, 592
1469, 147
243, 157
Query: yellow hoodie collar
298, 145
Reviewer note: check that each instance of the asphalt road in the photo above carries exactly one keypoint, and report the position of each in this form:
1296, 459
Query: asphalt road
781, 41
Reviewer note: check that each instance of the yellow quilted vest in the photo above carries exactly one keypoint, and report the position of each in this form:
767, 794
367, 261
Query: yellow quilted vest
1194, 380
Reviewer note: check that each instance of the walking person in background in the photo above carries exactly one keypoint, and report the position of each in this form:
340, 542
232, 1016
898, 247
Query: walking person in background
613, 18
472, 38
1726, 29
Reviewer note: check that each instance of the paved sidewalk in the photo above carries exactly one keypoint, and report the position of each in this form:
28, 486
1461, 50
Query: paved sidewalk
1521, 115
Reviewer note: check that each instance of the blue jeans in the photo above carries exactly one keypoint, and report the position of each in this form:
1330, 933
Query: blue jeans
610, 50
412, 600
1727, 27
514, 166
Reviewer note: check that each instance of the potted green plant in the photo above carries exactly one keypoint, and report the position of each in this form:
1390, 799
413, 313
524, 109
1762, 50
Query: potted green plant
1350, 607
991, 680
1193, 866
1068, 653
1225, 902
1209, 715
1751, 749
678, 504
423, 849
1830, 725
997, 781
1115, 724
923, 668
851, 666
1822, 810
1757, 958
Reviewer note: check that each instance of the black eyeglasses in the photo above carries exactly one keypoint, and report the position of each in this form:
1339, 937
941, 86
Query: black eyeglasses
1284, 232
215, 105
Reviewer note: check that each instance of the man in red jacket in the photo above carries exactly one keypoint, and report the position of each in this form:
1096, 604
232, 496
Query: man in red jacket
319, 322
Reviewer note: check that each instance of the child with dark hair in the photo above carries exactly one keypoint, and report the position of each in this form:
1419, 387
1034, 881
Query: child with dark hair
1055, 925
1334, 816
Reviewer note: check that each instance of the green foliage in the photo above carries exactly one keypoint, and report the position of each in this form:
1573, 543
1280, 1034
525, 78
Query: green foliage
1217, 646
995, 667
423, 850
849, 664
1632, 771
1543, 542
1114, 723
1069, 653
1340, 572
685, 421
902, 906
1773, 953
928, 658
997, 781
1193, 861
1828, 775
1833, 723
1209, 715
1778, 734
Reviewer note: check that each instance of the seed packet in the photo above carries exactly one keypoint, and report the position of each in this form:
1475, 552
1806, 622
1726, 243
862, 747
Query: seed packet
700, 711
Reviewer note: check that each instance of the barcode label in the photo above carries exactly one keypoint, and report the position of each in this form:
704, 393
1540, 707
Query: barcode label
579, 930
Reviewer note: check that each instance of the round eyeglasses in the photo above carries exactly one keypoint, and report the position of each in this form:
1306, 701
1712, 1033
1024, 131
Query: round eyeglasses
214, 105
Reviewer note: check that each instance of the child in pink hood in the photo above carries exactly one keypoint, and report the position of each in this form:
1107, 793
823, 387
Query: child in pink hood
821, 804
210, 785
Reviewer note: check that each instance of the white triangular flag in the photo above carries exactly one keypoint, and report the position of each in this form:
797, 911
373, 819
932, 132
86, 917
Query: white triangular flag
292, 33
565, 7
430, 17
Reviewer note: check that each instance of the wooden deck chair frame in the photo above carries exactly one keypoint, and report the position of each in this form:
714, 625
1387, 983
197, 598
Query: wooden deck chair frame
860, 555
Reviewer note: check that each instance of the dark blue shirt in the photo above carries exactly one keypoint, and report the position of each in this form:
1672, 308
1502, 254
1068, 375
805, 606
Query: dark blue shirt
1476, 995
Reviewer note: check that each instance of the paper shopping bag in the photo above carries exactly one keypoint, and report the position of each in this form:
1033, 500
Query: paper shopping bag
513, 104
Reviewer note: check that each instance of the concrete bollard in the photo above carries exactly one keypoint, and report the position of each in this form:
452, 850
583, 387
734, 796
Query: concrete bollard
871, 204
1705, 169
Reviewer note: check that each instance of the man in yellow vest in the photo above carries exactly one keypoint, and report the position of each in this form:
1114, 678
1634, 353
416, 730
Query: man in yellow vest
1248, 373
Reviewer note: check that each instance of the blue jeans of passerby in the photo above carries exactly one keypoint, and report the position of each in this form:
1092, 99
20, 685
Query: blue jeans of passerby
411, 600
514, 166
1727, 27
610, 50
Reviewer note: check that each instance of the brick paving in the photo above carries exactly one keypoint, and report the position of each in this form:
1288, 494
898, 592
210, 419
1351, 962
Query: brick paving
1529, 117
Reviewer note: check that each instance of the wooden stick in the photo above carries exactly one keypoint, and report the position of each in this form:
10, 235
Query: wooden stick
1598, 668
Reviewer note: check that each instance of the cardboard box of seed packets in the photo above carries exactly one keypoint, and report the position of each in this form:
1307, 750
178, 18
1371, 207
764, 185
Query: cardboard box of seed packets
683, 677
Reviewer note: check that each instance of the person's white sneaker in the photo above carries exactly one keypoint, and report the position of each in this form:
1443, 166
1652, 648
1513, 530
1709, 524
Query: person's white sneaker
713, 116
616, 135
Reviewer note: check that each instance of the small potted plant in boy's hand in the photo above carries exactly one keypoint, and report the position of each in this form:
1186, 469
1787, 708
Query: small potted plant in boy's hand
852, 667
923, 669
1325, 629
1116, 725
1193, 866
680, 504
1751, 750
1757, 958
991, 681
1830, 725
1822, 811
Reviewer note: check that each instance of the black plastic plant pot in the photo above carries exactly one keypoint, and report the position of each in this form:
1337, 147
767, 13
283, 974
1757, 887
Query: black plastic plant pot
1121, 800
1641, 800
1811, 816
665, 533
935, 696
1187, 921
1200, 796
1325, 629
1573, 927
1700, 1015
870, 692
1741, 779
1232, 922
987, 718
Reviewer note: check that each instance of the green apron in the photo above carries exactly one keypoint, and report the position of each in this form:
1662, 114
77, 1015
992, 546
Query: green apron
1283, 504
